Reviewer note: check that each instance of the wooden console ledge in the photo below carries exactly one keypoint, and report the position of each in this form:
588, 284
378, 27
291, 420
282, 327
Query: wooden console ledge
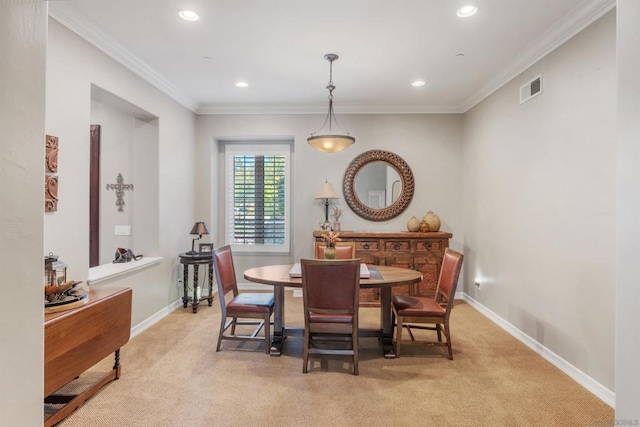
77, 339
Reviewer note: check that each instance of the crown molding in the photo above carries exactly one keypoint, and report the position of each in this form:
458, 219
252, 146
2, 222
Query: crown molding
577, 20
563, 30
321, 108
69, 16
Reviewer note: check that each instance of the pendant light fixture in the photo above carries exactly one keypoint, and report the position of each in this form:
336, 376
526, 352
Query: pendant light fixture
330, 142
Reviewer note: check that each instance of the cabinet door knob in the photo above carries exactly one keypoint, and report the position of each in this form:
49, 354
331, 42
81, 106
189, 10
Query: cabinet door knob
428, 245
365, 245
396, 246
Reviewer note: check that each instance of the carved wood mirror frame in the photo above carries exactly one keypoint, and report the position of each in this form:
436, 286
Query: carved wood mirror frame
364, 211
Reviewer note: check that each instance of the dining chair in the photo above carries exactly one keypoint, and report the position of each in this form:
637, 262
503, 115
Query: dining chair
330, 297
242, 305
344, 250
415, 311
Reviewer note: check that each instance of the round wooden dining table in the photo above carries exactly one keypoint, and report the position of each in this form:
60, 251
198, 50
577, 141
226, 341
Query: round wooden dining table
382, 277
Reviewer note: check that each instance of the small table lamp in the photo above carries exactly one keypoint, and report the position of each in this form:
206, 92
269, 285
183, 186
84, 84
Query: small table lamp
199, 228
326, 193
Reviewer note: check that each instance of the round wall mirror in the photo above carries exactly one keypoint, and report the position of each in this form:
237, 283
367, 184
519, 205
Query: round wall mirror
378, 185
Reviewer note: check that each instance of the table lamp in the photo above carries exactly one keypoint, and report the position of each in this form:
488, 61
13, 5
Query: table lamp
199, 228
326, 193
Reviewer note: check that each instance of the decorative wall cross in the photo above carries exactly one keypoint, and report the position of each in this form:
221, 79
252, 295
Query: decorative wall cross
120, 188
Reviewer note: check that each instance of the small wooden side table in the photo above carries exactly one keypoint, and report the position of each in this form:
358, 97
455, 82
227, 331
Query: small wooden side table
197, 259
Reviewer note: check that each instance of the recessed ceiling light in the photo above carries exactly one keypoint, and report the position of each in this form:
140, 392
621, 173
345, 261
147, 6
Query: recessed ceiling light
189, 15
418, 83
242, 84
466, 11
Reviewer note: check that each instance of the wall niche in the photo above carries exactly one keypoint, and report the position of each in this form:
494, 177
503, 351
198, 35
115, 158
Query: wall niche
124, 178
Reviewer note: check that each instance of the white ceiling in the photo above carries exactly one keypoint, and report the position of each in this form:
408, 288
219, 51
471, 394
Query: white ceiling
277, 46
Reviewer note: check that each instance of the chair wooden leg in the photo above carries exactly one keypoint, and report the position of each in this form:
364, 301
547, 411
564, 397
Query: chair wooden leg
233, 326
305, 351
410, 332
354, 344
438, 331
267, 333
223, 320
447, 335
399, 329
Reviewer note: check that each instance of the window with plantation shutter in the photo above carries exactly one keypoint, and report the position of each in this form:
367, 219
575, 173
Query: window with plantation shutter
257, 197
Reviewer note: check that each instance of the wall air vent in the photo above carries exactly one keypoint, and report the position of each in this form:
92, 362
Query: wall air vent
531, 89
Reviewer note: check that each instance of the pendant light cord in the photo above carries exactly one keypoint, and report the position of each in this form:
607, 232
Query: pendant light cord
330, 114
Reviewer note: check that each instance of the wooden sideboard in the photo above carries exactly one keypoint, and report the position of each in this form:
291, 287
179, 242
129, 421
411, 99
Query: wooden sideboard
77, 339
417, 251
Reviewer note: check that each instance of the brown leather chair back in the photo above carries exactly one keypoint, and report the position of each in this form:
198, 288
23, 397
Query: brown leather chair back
331, 285
330, 290
226, 274
344, 250
449, 273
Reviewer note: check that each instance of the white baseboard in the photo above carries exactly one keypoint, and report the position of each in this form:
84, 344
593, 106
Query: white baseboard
600, 391
152, 320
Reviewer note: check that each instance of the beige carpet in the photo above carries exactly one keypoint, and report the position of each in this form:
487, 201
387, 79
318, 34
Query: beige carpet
172, 376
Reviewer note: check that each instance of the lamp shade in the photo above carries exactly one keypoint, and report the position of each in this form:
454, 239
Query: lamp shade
326, 192
330, 143
200, 228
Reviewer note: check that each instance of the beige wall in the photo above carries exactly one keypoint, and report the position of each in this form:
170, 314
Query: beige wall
22, 90
540, 202
430, 143
73, 65
628, 213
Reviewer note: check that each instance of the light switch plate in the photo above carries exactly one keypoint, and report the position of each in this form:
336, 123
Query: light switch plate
123, 230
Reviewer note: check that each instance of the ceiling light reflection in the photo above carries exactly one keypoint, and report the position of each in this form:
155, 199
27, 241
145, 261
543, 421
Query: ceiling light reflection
188, 15
466, 11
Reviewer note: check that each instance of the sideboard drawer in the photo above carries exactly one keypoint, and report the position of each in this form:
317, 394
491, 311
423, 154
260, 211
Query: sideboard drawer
430, 245
397, 245
368, 245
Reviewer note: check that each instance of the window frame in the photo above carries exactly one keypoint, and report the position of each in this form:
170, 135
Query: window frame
232, 149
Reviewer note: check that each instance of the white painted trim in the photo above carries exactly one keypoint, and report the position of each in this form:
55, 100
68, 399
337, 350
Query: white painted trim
112, 271
577, 20
152, 320
69, 16
600, 391
344, 108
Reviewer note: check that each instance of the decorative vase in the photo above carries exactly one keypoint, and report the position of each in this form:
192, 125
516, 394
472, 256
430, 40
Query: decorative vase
433, 220
330, 252
424, 227
413, 224
336, 226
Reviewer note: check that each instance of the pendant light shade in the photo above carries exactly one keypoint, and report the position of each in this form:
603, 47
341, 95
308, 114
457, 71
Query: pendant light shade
330, 142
